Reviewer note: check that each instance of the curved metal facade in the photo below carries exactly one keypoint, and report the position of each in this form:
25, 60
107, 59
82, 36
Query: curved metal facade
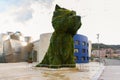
81, 48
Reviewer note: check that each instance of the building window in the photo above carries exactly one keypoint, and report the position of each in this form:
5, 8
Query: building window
83, 43
76, 42
87, 58
87, 50
87, 45
83, 58
75, 58
83, 50
76, 50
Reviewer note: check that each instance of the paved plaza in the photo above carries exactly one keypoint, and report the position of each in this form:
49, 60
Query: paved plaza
25, 71
89, 71
110, 73
111, 70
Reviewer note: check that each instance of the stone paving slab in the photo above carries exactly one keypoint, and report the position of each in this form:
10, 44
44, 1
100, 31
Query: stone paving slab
25, 71
110, 73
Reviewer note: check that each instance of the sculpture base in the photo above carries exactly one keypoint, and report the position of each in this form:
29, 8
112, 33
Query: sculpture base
57, 66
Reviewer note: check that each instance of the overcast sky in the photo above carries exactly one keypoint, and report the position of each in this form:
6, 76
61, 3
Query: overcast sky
33, 17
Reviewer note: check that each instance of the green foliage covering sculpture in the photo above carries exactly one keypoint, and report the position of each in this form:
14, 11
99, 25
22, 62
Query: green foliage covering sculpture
60, 52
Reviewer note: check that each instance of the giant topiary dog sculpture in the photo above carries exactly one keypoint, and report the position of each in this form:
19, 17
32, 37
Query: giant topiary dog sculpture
60, 52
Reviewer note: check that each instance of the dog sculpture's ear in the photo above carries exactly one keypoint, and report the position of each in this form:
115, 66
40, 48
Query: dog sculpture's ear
57, 7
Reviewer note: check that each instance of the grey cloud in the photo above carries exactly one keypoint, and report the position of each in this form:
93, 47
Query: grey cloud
26, 12
24, 15
45, 3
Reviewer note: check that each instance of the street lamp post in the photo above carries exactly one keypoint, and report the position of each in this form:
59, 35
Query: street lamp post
98, 46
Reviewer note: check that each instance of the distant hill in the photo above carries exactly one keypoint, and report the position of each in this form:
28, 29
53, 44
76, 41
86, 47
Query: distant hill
95, 46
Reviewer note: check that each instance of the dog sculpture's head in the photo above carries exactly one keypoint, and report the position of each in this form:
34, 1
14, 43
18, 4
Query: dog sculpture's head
65, 21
